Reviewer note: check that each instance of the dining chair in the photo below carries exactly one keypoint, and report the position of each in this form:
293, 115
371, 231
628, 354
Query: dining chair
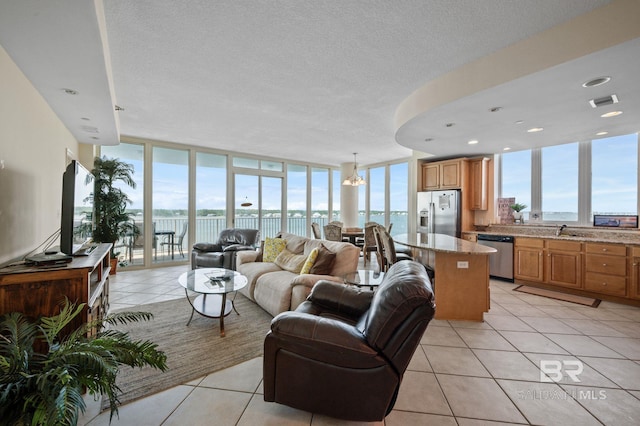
369, 243
333, 232
386, 251
315, 228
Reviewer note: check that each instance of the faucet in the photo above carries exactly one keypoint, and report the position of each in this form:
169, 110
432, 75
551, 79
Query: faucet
559, 230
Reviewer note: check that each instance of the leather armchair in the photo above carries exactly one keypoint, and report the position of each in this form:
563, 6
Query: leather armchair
222, 253
343, 352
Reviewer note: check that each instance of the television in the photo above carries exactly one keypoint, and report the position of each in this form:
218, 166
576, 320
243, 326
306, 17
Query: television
77, 208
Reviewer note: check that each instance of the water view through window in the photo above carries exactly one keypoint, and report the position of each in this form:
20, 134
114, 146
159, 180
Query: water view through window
611, 163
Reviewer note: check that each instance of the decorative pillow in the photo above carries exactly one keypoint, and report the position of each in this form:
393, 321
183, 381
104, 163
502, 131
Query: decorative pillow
272, 248
290, 261
324, 262
311, 259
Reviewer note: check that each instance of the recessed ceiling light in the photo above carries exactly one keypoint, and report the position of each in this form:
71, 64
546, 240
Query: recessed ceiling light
70, 91
519, 121
450, 124
95, 137
602, 133
495, 109
85, 118
611, 114
535, 129
428, 139
596, 82
472, 142
506, 148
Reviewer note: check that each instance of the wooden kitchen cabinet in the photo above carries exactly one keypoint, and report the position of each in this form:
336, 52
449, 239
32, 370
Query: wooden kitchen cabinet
608, 271
606, 268
563, 263
478, 174
528, 261
443, 174
39, 291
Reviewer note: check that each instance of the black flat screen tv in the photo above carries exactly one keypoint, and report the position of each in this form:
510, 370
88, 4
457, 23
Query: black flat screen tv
77, 208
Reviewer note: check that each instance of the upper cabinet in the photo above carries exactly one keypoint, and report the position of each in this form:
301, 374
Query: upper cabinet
479, 178
447, 174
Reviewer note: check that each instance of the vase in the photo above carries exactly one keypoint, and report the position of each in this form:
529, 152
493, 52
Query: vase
517, 217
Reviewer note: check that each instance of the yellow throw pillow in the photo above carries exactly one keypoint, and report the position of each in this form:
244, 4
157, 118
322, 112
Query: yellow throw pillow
311, 259
272, 248
290, 261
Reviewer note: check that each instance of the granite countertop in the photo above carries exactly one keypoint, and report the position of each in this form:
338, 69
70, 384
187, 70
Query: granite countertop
583, 234
441, 243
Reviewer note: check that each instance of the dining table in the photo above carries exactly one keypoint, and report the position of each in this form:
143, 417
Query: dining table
352, 234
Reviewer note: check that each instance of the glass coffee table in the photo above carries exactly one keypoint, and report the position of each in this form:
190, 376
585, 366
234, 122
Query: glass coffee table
213, 284
364, 278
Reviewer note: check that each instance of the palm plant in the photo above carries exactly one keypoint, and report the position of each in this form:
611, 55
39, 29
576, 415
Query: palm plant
46, 388
112, 222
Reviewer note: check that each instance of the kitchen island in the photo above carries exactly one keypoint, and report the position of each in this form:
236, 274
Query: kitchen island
461, 284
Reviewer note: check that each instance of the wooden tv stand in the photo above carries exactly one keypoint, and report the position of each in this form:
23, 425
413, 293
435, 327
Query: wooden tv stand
39, 290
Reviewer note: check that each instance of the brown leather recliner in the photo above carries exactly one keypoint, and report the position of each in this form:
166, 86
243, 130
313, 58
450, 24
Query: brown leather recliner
344, 351
222, 253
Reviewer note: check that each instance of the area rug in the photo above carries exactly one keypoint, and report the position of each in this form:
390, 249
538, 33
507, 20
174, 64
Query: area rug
587, 301
193, 351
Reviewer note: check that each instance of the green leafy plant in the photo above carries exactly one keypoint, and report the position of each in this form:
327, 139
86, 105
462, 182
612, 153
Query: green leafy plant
46, 388
112, 221
518, 207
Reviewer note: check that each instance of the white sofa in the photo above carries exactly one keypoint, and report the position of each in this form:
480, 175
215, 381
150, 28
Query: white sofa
277, 290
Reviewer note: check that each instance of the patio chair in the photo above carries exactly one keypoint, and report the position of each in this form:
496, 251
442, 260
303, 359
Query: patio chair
177, 242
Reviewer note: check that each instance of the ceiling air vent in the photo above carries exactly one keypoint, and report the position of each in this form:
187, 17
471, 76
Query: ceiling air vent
606, 100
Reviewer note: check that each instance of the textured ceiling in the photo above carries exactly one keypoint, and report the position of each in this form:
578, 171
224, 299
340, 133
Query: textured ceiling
304, 80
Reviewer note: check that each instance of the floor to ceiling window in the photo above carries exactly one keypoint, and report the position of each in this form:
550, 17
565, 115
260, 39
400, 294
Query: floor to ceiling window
377, 195
320, 195
335, 200
170, 204
131, 249
270, 206
211, 196
297, 199
247, 201
399, 198
258, 195
184, 178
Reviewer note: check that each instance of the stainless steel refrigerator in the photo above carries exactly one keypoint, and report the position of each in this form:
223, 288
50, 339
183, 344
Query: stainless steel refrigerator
440, 212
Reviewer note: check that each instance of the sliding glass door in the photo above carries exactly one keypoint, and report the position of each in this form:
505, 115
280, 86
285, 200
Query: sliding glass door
170, 204
258, 203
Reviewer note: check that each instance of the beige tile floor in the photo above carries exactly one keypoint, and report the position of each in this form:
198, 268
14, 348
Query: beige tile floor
463, 373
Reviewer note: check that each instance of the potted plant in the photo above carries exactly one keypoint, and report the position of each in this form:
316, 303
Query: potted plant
517, 210
112, 222
45, 387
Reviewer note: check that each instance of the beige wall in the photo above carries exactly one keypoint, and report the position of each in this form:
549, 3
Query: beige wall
33, 144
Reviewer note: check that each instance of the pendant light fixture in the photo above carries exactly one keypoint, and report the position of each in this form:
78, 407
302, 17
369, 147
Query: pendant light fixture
355, 179
246, 202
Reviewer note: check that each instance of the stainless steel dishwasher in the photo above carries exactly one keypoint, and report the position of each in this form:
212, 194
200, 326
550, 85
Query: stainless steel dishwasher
500, 263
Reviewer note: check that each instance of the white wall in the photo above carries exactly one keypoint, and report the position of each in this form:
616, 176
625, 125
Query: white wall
33, 143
